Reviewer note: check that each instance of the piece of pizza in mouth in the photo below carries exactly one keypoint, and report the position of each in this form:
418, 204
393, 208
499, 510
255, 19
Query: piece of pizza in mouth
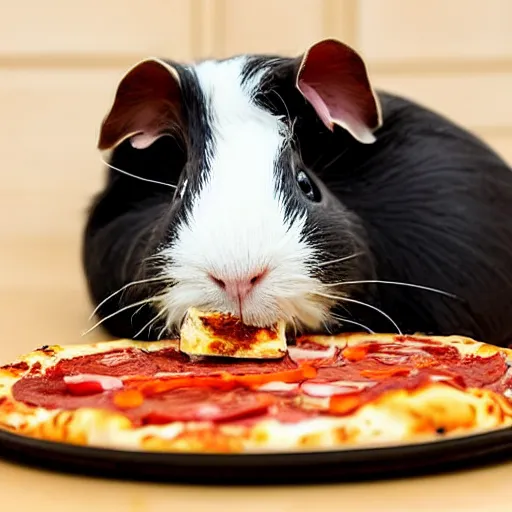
224, 335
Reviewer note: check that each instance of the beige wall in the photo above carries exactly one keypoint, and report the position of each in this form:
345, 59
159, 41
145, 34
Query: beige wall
60, 61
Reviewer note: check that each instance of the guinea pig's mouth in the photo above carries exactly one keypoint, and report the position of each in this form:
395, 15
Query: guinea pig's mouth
300, 302
311, 321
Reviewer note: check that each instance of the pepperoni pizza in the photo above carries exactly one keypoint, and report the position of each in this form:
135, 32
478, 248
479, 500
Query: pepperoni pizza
322, 393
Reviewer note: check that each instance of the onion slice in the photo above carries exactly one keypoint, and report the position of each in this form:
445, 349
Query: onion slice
114, 358
356, 384
398, 350
440, 378
326, 389
88, 383
303, 354
389, 359
279, 386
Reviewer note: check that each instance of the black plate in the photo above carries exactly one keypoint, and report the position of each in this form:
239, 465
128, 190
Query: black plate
275, 468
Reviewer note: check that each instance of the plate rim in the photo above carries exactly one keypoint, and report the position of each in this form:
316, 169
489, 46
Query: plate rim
342, 465
434, 444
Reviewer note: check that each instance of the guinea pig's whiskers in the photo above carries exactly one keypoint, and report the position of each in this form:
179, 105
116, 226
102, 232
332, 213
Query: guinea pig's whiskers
339, 260
137, 311
150, 323
354, 301
289, 117
335, 159
342, 319
133, 283
149, 300
138, 177
290, 136
327, 328
397, 283
318, 165
162, 331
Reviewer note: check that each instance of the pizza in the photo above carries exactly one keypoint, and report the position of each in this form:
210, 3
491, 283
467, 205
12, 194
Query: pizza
323, 392
215, 334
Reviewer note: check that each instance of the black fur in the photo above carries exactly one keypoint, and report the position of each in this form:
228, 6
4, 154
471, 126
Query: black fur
130, 219
436, 204
427, 204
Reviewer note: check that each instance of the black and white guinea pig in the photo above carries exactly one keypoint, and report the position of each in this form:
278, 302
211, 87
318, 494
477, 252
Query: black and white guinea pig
287, 188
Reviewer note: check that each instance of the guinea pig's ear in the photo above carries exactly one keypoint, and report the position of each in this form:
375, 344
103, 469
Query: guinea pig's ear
333, 79
146, 106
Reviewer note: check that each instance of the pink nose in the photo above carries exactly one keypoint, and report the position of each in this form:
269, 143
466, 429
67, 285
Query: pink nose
238, 289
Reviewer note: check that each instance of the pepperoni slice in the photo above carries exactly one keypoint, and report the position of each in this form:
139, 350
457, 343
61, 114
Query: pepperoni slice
194, 404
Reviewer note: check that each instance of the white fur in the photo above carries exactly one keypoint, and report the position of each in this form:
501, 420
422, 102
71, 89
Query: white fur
236, 225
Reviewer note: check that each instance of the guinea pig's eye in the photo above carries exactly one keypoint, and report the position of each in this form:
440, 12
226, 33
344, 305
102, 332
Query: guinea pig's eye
307, 186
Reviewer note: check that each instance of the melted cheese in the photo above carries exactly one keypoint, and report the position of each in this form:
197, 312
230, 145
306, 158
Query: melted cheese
213, 334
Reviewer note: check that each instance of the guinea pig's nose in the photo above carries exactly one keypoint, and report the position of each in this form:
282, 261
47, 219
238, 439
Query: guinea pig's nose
237, 289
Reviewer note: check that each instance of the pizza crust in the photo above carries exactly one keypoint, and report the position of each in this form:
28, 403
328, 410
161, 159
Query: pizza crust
465, 346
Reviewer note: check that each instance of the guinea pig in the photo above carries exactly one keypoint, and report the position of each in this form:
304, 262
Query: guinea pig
288, 188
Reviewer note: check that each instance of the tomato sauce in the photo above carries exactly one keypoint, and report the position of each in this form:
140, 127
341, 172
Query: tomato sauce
241, 405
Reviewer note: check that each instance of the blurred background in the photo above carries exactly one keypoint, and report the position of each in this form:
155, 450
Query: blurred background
60, 61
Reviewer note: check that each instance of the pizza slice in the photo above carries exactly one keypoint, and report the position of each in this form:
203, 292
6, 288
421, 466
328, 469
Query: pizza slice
216, 334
